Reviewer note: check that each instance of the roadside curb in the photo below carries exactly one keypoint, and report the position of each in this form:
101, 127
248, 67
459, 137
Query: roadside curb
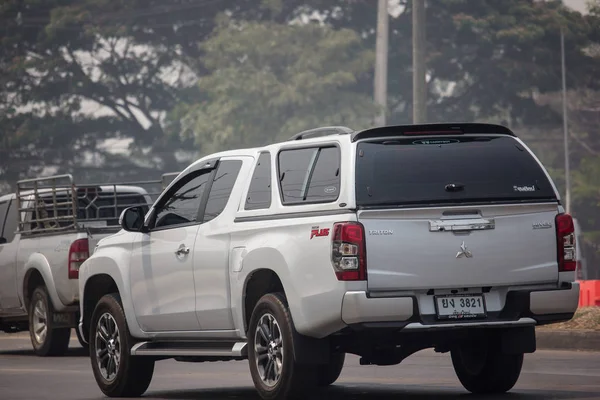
568, 340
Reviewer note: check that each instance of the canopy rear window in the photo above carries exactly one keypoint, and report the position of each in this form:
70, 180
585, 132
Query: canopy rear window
448, 170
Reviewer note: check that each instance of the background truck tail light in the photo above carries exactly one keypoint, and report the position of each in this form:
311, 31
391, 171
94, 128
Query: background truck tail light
348, 251
78, 253
565, 236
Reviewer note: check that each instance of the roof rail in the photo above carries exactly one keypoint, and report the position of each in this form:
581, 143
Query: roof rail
323, 131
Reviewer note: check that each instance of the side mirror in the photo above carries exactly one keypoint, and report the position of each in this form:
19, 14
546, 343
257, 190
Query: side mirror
132, 219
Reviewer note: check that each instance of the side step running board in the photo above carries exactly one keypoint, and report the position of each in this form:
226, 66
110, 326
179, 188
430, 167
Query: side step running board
190, 348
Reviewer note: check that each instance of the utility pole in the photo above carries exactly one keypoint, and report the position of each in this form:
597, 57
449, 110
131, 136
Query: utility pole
419, 80
565, 127
381, 61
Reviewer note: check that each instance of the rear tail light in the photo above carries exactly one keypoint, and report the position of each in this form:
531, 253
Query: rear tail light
78, 253
565, 236
348, 253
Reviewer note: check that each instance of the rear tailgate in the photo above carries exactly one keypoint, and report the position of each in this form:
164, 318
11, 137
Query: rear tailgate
479, 246
455, 212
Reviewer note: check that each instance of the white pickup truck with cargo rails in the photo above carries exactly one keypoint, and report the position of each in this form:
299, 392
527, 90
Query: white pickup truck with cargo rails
47, 229
378, 243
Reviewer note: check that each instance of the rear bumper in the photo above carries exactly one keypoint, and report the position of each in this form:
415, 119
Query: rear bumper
550, 302
521, 308
357, 307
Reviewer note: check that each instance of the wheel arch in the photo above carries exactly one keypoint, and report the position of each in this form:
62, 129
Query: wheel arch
95, 288
113, 263
33, 278
37, 272
258, 283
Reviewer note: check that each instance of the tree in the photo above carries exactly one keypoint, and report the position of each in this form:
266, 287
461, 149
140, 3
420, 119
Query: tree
75, 73
485, 58
271, 80
61, 61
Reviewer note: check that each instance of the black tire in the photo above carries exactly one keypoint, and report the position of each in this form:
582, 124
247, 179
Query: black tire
47, 341
329, 373
485, 369
133, 374
295, 379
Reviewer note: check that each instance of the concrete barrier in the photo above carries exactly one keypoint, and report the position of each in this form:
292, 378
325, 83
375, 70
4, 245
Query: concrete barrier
568, 340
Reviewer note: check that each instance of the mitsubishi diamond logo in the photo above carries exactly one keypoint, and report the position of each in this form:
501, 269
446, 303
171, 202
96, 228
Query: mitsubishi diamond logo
464, 252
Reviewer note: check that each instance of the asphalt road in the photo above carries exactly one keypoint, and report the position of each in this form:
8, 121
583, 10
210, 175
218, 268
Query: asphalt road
425, 375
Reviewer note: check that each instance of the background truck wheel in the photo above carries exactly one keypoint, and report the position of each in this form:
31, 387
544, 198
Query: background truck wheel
117, 373
46, 340
274, 370
329, 373
484, 369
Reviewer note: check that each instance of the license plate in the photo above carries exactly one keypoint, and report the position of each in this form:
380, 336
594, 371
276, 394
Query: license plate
64, 320
460, 307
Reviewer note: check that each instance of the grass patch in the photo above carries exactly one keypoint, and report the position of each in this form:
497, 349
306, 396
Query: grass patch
586, 318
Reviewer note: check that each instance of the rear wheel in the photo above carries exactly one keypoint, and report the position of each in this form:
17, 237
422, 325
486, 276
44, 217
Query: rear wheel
117, 373
330, 372
274, 369
46, 340
485, 369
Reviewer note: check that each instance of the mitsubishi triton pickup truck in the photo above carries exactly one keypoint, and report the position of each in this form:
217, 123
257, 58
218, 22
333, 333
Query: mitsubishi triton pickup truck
378, 243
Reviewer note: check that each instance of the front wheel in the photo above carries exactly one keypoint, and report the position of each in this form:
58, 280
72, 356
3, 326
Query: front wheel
275, 372
117, 373
46, 340
484, 369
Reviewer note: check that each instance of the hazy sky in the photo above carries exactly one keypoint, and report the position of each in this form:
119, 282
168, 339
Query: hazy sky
579, 5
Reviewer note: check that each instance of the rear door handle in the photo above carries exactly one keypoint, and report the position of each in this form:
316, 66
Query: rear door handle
182, 250
470, 224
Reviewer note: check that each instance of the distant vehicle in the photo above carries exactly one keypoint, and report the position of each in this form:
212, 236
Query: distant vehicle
379, 243
47, 229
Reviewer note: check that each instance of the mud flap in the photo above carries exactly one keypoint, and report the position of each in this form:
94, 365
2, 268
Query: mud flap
308, 350
518, 340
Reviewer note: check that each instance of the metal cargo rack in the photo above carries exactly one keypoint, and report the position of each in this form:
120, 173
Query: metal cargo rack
56, 204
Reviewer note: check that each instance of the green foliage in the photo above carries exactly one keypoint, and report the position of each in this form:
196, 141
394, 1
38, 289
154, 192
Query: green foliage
586, 180
503, 53
61, 60
270, 81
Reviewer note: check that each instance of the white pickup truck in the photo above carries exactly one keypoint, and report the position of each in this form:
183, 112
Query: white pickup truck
379, 243
47, 229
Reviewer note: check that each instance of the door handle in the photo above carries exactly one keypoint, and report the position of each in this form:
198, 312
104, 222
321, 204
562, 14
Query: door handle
182, 250
469, 224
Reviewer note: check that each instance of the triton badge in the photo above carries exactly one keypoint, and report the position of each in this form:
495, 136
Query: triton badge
383, 232
542, 225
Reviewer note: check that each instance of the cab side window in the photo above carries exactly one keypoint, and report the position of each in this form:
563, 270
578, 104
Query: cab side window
10, 225
3, 209
259, 192
221, 188
182, 207
309, 175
